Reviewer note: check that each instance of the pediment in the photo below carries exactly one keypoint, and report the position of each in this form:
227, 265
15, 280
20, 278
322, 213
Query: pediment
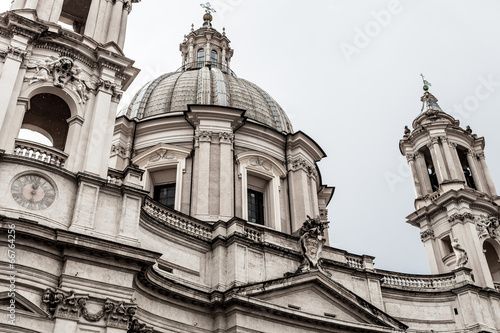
315, 294
21, 304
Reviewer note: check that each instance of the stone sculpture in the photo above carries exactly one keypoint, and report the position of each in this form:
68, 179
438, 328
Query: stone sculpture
460, 254
311, 242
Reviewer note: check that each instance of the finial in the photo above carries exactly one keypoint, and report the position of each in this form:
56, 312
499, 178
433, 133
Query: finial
223, 31
192, 27
426, 83
207, 18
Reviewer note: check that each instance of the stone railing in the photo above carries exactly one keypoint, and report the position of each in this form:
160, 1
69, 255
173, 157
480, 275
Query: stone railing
253, 234
40, 153
354, 261
405, 281
177, 221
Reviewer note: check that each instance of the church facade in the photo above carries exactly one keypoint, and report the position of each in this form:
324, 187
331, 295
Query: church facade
197, 207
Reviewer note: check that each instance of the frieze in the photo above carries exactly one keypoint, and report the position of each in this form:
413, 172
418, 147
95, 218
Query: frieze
425, 235
61, 304
460, 217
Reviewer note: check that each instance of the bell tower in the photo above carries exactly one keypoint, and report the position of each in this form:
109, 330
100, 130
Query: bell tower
456, 198
62, 77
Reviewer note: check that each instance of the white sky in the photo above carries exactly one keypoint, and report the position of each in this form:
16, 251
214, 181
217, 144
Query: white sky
356, 106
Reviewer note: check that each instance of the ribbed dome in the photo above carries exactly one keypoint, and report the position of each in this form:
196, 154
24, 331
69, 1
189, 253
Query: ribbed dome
172, 92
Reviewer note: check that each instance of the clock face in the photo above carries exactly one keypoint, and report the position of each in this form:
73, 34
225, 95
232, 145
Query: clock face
33, 192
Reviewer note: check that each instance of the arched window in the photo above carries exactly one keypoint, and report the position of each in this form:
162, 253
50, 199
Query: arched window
201, 58
492, 259
462, 156
47, 117
431, 170
213, 58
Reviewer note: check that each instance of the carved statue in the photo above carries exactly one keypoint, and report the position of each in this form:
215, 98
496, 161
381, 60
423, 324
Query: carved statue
79, 85
407, 130
460, 254
487, 226
43, 70
311, 242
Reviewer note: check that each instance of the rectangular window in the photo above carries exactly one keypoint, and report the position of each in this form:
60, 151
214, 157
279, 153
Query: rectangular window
165, 194
255, 207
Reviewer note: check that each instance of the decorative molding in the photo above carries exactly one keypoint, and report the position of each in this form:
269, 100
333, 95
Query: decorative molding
72, 306
120, 150
226, 137
16, 53
298, 163
425, 235
137, 327
260, 163
162, 154
203, 136
461, 217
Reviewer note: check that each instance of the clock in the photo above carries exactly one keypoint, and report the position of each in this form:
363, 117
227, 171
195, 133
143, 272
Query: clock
33, 191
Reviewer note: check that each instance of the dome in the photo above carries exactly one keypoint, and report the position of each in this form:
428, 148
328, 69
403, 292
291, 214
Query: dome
172, 92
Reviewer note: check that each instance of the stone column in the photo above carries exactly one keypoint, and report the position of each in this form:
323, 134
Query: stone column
416, 181
15, 124
44, 8
102, 24
92, 18
17, 4
226, 175
423, 174
115, 21
202, 171
127, 7
74, 130
487, 175
450, 162
454, 154
31, 4
8, 81
438, 160
55, 14
97, 148
475, 171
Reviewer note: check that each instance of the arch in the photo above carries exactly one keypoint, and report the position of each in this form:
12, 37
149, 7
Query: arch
466, 168
429, 166
200, 58
68, 95
491, 250
48, 115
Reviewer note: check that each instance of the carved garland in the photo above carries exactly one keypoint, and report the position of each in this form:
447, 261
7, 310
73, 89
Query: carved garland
119, 315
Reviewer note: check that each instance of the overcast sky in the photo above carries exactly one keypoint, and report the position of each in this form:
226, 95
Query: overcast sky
348, 74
